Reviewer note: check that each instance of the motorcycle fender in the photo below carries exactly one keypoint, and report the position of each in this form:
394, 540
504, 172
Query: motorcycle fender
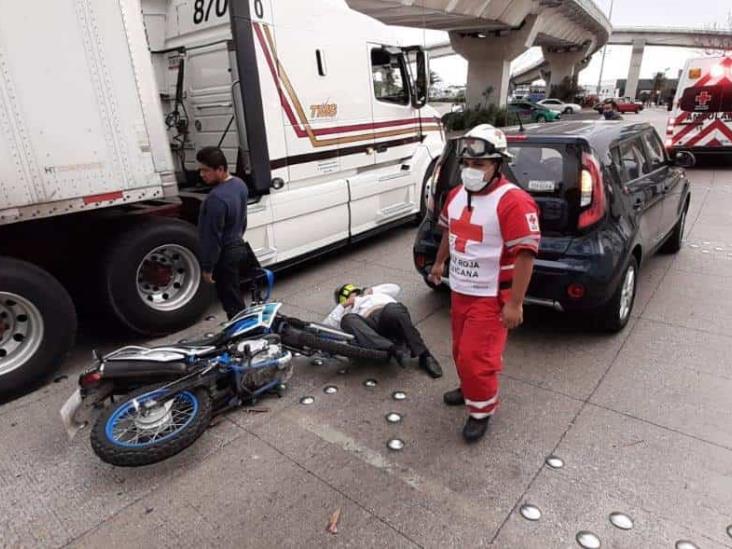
76, 412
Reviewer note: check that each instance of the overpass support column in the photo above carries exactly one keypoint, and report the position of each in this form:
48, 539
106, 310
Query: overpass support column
564, 63
636, 58
489, 59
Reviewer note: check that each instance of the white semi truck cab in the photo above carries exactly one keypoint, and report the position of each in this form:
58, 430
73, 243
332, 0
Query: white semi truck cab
103, 107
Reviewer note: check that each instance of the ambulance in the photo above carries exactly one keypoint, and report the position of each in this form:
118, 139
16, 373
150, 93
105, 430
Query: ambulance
701, 120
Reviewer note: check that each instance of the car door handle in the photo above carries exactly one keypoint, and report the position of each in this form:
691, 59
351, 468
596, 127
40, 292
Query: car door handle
381, 148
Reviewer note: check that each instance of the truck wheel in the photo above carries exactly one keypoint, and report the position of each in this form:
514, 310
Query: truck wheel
152, 278
37, 325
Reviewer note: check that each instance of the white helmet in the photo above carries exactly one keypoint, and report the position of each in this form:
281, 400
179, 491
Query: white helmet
484, 141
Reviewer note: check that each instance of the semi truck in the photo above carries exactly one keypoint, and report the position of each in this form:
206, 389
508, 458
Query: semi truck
103, 105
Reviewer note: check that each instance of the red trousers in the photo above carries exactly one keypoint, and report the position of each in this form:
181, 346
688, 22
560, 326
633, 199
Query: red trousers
478, 341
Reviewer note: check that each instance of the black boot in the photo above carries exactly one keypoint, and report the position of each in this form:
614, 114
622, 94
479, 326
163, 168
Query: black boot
430, 365
454, 397
475, 428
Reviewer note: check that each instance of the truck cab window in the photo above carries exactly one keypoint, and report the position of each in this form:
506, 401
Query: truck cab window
389, 75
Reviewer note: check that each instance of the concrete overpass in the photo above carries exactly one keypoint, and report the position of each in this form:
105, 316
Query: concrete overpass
492, 33
639, 38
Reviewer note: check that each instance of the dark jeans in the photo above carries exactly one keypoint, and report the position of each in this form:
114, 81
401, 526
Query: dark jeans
384, 328
226, 278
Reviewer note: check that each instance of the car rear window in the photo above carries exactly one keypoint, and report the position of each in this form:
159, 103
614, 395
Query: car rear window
549, 172
537, 168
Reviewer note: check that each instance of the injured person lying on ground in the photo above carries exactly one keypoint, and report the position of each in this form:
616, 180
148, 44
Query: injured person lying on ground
378, 321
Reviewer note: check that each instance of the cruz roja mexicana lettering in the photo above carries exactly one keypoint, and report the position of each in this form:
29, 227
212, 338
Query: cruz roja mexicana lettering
464, 267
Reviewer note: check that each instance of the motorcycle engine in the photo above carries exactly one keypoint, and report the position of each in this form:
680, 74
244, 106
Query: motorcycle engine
268, 362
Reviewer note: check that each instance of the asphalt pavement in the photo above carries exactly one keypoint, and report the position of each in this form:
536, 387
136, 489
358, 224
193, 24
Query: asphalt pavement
640, 420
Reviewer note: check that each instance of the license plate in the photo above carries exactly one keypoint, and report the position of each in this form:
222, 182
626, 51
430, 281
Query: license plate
541, 186
68, 413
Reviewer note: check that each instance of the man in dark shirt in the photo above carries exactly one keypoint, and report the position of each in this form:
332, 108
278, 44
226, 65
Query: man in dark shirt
221, 225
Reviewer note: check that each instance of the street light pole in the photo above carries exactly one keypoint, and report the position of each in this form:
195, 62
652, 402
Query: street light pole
604, 51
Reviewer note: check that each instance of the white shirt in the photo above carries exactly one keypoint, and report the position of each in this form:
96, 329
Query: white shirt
379, 295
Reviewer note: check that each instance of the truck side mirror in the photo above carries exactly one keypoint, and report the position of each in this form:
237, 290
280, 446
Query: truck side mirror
421, 85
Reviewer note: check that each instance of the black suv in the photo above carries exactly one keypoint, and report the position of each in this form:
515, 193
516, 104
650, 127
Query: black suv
609, 197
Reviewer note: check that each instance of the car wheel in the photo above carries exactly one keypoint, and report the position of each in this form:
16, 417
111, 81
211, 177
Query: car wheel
673, 244
541, 119
616, 314
568, 110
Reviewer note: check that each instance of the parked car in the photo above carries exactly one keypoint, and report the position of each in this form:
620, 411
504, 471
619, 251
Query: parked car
560, 106
531, 112
609, 197
624, 104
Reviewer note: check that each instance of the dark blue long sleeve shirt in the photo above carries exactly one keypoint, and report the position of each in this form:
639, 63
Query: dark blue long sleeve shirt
222, 220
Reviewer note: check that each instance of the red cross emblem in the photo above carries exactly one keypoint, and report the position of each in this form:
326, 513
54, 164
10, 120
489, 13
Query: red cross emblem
464, 230
703, 98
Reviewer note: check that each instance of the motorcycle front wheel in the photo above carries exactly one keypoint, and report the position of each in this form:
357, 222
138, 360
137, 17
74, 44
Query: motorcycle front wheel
150, 425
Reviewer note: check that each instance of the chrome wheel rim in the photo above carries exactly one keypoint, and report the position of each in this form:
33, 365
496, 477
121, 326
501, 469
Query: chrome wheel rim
21, 331
627, 293
168, 277
144, 421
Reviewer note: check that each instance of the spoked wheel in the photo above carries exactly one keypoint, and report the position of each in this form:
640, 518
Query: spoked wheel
150, 426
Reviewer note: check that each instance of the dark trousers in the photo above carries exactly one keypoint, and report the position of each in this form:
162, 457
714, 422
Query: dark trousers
384, 328
226, 278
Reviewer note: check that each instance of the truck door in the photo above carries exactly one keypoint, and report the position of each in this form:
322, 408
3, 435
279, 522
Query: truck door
390, 191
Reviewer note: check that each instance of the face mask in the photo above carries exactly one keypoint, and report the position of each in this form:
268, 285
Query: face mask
473, 179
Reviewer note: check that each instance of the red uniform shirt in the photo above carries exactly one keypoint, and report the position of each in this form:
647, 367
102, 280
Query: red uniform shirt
473, 238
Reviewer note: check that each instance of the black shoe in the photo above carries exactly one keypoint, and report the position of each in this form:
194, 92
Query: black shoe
474, 429
430, 365
398, 355
454, 397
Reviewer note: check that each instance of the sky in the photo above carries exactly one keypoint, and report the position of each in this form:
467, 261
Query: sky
630, 13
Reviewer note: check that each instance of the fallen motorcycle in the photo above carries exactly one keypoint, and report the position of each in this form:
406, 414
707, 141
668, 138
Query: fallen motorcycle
163, 398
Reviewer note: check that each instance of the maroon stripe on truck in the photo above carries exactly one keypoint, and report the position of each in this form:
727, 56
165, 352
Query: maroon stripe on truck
93, 199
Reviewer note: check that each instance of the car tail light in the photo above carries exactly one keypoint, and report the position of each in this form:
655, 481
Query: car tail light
592, 192
513, 138
433, 186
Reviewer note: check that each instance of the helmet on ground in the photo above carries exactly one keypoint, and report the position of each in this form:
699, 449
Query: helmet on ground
484, 141
342, 293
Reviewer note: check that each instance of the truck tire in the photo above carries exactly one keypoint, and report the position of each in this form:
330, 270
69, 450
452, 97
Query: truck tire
152, 278
37, 325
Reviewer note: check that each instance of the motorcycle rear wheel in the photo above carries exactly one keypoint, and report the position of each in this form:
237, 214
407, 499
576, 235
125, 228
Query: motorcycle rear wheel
150, 425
